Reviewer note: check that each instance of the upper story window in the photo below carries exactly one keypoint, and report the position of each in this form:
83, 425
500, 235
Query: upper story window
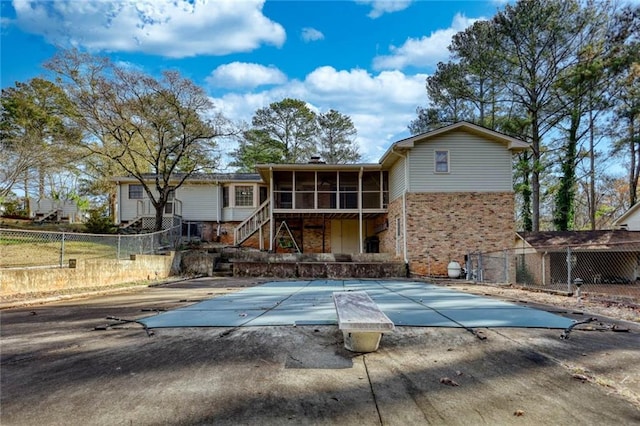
136, 192
442, 161
244, 196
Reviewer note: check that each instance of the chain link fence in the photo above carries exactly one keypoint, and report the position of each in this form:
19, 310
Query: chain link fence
611, 270
27, 249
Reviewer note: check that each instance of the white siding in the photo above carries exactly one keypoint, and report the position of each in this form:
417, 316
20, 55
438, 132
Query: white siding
475, 165
128, 209
632, 222
199, 202
396, 179
236, 214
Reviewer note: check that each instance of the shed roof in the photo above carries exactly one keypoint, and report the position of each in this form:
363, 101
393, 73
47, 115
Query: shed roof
618, 239
199, 177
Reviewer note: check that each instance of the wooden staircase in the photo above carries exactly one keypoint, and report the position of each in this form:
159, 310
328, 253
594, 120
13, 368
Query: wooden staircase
52, 215
252, 224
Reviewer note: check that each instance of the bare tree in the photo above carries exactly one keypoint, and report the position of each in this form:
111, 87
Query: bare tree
159, 131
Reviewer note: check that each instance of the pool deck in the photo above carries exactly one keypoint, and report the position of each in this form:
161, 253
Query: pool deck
65, 363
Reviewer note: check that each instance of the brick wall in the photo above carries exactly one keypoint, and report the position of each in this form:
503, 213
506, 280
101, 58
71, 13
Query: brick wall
443, 227
387, 237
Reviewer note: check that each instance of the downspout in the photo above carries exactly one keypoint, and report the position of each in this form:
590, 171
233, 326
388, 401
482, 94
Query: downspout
116, 205
360, 208
218, 209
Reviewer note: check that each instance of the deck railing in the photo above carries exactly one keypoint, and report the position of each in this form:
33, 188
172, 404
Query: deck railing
253, 223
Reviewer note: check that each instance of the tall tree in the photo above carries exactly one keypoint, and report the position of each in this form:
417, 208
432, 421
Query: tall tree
152, 128
336, 135
291, 127
534, 38
36, 139
255, 147
626, 122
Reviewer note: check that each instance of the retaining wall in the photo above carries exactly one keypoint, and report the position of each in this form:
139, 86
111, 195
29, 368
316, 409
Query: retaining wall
86, 274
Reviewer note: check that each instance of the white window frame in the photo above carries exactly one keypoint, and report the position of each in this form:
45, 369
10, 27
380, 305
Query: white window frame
436, 162
251, 195
131, 185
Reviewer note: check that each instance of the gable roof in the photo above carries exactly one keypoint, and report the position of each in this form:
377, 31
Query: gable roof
513, 144
622, 219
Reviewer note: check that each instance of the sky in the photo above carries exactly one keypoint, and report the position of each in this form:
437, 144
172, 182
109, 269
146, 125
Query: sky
368, 59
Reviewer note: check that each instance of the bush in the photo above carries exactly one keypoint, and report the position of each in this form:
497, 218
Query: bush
99, 223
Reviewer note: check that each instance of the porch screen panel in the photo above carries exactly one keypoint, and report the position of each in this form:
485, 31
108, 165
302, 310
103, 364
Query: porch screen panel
371, 190
283, 190
327, 190
305, 187
348, 190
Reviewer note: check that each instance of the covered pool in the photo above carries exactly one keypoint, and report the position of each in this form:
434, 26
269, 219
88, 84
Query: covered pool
406, 303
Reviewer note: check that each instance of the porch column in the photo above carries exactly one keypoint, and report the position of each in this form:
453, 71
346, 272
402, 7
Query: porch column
360, 243
271, 201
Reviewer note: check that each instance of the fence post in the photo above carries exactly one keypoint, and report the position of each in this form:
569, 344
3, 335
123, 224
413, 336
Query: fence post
506, 265
569, 265
62, 250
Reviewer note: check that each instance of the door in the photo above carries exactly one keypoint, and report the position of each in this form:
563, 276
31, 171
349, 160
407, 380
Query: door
345, 236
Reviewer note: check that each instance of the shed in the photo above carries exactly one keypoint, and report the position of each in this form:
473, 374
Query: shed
597, 257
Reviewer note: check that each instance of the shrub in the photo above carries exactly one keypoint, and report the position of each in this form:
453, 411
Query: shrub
99, 223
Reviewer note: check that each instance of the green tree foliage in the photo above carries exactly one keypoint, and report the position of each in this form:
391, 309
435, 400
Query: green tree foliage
35, 137
159, 131
625, 41
337, 138
288, 131
544, 71
290, 127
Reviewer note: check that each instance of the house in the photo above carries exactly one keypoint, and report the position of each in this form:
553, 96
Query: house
595, 257
54, 210
630, 220
429, 200
207, 205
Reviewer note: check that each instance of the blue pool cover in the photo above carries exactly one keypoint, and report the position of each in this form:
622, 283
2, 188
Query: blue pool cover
406, 303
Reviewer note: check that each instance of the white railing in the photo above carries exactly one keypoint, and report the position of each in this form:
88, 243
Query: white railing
251, 224
145, 208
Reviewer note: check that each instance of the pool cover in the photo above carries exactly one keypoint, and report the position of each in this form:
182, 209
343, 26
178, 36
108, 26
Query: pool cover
406, 303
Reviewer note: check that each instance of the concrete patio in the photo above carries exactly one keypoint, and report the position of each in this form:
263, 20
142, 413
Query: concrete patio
65, 363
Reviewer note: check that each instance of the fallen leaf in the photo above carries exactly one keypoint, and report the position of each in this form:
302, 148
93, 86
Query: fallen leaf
581, 377
448, 381
518, 413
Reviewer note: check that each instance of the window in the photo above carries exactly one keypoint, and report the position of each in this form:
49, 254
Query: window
442, 161
136, 192
244, 196
225, 196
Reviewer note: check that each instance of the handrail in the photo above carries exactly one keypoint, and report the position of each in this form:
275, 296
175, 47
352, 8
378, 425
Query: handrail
250, 225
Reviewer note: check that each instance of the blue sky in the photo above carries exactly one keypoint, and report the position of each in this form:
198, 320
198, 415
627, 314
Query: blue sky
365, 58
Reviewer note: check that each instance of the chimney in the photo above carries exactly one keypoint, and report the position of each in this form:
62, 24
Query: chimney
316, 160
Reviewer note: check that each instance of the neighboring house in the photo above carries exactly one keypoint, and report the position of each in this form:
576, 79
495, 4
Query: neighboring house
596, 257
630, 220
51, 210
430, 199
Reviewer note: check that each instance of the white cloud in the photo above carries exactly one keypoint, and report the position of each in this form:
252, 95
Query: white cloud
311, 34
426, 51
245, 75
380, 105
380, 7
170, 28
